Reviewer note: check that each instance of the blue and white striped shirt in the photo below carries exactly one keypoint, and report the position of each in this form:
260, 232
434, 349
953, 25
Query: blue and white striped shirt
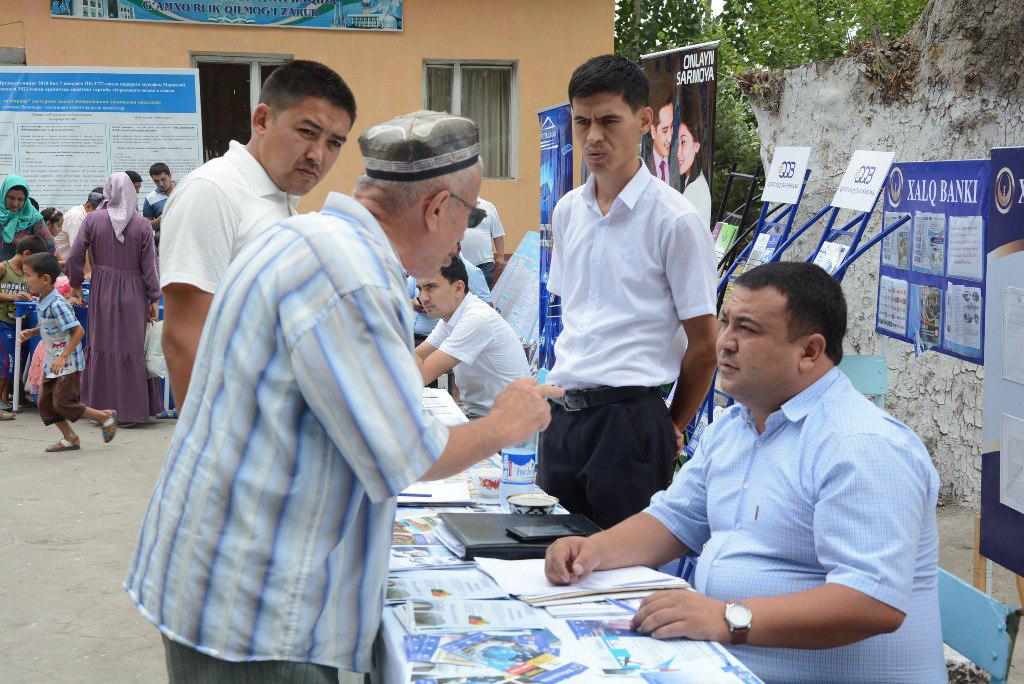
835, 490
268, 533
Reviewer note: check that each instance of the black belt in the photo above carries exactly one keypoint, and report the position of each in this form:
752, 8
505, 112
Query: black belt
580, 399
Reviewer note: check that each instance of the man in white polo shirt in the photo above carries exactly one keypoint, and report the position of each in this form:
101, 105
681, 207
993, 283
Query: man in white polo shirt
303, 118
633, 264
484, 245
471, 338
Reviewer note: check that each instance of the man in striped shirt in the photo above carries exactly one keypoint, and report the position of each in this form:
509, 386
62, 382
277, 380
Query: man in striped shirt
264, 550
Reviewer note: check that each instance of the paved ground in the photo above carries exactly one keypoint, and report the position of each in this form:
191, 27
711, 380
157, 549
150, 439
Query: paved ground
68, 524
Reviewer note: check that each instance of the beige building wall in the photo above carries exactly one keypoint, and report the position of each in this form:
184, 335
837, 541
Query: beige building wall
547, 38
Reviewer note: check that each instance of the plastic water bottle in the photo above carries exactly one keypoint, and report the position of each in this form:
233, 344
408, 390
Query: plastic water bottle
519, 468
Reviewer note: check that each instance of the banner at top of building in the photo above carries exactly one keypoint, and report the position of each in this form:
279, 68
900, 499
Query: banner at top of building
679, 147
367, 15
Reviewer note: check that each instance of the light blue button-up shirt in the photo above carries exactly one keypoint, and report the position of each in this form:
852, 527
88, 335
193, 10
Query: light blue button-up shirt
835, 490
267, 536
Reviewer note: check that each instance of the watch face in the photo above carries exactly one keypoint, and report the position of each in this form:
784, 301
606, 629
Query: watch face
738, 616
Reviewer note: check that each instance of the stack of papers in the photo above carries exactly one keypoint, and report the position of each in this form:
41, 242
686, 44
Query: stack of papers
423, 557
430, 585
526, 579
439, 403
441, 493
445, 616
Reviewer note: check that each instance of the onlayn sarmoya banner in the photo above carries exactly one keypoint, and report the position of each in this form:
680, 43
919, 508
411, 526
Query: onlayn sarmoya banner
679, 147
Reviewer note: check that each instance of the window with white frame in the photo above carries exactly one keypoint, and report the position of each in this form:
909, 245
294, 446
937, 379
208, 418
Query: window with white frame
487, 93
229, 90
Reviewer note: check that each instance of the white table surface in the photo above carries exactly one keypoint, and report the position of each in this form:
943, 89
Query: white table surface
391, 666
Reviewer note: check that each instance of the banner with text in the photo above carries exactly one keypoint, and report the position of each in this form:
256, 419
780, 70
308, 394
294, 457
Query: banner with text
931, 278
555, 181
367, 15
1002, 437
679, 147
66, 129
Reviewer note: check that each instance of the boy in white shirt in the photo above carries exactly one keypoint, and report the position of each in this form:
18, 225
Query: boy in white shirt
471, 338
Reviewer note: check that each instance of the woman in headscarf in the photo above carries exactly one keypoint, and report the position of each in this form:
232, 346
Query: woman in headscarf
123, 295
18, 218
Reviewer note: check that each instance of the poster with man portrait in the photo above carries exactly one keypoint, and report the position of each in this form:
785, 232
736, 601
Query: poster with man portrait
679, 147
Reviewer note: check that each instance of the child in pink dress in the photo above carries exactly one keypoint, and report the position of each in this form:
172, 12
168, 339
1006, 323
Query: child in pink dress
35, 369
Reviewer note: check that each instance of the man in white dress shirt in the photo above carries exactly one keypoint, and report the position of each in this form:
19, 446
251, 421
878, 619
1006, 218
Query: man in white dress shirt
633, 263
472, 339
484, 245
303, 118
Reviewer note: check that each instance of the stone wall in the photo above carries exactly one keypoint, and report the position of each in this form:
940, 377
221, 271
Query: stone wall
951, 89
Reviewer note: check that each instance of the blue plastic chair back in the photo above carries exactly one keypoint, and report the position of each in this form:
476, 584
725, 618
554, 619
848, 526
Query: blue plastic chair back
977, 625
869, 375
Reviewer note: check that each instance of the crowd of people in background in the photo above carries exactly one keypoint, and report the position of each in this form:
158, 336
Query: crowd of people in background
107, 246
105, 253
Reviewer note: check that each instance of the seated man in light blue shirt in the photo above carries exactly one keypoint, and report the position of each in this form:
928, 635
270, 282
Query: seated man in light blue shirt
813, 511
423, 324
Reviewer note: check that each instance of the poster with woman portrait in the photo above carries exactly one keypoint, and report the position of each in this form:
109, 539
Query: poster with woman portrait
679, 147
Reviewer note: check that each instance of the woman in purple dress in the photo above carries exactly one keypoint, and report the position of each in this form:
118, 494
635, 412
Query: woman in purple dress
123, 296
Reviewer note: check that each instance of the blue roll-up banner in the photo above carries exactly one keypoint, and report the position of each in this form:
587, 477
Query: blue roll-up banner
1002, 459
555, 181
931, 284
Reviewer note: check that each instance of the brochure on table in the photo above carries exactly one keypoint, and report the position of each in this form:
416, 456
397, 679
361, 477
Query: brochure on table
1002, 439
931, 284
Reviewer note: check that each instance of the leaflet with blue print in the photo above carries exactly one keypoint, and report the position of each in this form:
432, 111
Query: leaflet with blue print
613, 648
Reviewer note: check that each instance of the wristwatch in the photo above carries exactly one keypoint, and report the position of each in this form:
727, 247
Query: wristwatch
738, 617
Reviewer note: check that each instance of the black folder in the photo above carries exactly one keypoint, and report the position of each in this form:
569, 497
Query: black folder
484, 534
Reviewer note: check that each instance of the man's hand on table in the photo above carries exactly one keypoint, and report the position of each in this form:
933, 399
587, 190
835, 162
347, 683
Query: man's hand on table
682, 613
522, 408
570, 559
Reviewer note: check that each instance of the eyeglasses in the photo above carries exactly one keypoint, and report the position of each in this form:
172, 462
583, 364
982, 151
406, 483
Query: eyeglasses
476, 214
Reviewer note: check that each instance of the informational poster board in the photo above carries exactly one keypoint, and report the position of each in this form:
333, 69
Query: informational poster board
785, 176
1002, 459
66, 129
556, 154
931, 285
517, 293
679, 147
372, 15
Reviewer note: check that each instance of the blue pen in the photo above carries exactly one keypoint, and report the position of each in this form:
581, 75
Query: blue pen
620, 604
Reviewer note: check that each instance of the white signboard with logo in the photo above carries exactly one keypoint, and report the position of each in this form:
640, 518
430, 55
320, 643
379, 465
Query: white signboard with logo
863, 180
786, 175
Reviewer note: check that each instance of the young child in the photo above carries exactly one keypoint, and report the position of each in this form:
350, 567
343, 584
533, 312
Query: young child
62, 338
13, 289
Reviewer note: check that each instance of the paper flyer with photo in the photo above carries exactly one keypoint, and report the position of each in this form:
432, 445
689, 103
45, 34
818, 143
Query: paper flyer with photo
963, 319
422, 557
966, 247
830, 256
614, 649
429, 648
528, 657
417, 531
452, 615
469, 584
930, 242
439, 673
892, 305
896, 245
924, 313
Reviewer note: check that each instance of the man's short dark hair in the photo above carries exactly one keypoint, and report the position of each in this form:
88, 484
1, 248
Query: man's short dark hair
158, 168
611, 74
298, 79
456, 271
135, 177
44, 263
95, 197
814, 300
33, 244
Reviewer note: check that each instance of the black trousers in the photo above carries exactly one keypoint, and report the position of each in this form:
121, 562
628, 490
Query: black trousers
608, 461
